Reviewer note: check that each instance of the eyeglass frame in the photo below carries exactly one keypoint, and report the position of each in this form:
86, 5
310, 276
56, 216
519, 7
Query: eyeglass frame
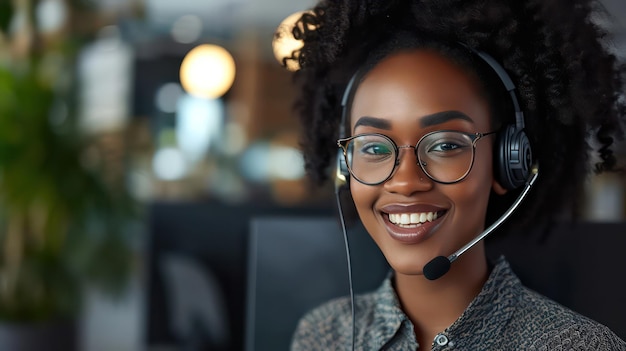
474, 137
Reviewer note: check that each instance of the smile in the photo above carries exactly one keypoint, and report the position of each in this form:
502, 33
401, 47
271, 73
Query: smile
411, 219
412, 226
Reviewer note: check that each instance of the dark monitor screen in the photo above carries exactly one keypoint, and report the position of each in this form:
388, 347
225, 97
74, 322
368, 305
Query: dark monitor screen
296, 264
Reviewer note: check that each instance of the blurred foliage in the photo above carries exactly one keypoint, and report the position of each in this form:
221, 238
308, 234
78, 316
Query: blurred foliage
6, 12
62, 226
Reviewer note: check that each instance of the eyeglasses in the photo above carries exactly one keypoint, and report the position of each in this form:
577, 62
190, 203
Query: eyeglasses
445, 156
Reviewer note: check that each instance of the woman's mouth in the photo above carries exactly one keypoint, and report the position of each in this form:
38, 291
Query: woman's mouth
410, 220
413, 227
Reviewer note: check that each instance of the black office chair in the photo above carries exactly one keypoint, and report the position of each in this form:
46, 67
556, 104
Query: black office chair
197, 305
205, 245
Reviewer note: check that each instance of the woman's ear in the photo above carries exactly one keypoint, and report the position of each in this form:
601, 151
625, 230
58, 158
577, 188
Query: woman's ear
498, 188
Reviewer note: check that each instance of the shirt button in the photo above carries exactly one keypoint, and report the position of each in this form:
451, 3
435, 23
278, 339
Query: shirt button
441, 340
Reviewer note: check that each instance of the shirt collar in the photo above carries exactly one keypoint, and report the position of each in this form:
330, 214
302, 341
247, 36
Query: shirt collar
388, 315
492, 308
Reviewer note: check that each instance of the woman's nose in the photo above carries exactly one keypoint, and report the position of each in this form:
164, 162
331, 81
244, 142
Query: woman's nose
408, 176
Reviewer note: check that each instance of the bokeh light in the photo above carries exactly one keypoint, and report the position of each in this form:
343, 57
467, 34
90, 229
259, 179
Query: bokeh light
187, 29
169, 164
264, 162
207, 71
51, 15
198, 125
167, 96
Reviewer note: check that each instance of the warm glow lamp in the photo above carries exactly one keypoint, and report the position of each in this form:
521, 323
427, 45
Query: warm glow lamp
207, 71
284, 43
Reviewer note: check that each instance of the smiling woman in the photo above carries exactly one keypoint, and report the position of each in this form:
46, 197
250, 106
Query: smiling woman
410, 90
442, 127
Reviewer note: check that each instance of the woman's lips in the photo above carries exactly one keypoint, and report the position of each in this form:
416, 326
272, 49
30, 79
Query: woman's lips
412, 225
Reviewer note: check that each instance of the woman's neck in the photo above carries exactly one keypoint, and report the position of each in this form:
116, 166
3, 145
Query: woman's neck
432, 306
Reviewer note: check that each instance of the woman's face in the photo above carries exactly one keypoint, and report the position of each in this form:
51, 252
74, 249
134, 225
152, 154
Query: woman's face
404, 97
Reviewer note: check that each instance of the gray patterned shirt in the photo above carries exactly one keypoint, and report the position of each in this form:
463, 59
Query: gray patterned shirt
504, 316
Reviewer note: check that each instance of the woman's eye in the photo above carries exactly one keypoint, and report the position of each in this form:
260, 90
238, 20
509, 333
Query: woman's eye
443, 147
376, 149
447, 147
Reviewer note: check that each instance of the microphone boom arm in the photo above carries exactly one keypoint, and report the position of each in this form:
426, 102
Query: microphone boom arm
504, 217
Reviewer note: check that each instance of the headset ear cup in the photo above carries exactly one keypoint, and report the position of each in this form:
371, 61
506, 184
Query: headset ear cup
514, 158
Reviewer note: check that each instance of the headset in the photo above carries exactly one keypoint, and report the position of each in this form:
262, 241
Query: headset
513, 157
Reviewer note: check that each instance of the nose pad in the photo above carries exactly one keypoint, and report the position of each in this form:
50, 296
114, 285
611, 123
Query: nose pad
422, 165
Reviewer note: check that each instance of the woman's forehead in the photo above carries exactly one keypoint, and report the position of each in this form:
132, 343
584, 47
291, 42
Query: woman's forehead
418, 83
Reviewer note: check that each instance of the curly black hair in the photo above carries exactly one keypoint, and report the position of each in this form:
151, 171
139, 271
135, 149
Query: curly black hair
569, 83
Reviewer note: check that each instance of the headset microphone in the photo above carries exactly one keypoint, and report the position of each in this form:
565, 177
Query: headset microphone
440, 265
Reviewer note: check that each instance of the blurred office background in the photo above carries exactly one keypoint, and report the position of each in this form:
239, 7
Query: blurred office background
129, 86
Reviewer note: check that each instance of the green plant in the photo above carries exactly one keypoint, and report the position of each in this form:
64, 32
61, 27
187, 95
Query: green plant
62, 226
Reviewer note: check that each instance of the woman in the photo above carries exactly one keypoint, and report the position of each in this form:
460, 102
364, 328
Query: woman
449, 108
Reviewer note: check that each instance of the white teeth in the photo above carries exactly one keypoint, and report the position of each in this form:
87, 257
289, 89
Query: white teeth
405, 218
412, 218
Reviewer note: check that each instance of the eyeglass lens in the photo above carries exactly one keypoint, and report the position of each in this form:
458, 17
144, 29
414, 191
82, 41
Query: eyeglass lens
444, 156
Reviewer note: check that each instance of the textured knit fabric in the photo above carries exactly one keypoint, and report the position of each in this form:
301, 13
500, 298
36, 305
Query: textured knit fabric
504, 316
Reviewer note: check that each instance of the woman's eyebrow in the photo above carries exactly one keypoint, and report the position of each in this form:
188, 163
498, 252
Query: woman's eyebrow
378, 123
442, 117
426, 121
